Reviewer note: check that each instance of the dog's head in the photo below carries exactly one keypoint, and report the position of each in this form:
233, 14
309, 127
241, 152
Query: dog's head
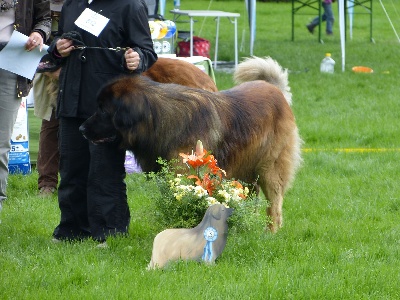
115, 115
217, 216
100, 128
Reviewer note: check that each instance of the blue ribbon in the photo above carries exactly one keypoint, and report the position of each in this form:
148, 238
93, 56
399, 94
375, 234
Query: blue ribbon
210, 234
207, 252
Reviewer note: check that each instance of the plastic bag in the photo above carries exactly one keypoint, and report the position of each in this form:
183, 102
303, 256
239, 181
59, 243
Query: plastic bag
201, 47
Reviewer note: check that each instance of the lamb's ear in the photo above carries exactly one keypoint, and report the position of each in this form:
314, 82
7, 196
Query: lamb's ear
216, 211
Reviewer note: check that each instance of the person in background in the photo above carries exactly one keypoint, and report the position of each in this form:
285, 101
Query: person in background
327, 16
31, 18
92, 191
45, 95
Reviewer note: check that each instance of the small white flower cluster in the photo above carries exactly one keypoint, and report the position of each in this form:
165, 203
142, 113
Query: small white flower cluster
229, 194
232, 193
181, 190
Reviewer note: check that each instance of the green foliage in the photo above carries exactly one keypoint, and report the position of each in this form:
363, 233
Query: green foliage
178, 205
172, 213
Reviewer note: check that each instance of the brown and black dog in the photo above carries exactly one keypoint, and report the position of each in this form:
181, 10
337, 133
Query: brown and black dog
250, 128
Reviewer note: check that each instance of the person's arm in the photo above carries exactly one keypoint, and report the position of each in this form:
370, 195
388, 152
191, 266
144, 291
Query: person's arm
139, 39
53, 51
41, 25
42, 18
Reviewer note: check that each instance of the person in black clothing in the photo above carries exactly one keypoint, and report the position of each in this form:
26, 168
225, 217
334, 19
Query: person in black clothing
92, 191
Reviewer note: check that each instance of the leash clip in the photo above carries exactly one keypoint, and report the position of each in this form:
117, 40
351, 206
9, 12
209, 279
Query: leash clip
80, 47
118, 49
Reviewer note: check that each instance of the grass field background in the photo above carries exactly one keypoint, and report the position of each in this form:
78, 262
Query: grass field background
341, 231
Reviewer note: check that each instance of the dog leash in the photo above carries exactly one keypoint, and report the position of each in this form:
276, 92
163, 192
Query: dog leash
79, 45
102, 48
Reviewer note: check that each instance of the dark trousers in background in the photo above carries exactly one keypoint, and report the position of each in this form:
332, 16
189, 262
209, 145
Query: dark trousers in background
48, 155
92, 191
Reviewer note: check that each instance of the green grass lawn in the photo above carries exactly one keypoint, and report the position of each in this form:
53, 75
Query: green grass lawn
340, 238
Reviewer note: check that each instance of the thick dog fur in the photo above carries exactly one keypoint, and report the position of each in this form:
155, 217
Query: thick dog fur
170, 70
250, 128
188, 244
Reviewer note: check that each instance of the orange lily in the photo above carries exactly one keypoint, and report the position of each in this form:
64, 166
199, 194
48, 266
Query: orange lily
193, 160
202, 158
238, 185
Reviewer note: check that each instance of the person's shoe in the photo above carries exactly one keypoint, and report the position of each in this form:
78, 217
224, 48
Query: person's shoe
46, 191
310, 28
329, 33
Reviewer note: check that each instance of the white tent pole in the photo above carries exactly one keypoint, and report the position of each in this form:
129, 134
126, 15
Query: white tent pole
383, 7
251, 15
161, 7
350, 10
252, 25
342, 33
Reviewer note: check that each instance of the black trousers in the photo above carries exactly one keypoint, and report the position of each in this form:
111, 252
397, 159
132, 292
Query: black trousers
92, 191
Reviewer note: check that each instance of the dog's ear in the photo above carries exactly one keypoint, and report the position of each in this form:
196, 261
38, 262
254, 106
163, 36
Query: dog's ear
129, 113
216, 211
122, 118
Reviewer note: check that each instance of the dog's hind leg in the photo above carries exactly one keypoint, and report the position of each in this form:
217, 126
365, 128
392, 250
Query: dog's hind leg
274, 180
273, 191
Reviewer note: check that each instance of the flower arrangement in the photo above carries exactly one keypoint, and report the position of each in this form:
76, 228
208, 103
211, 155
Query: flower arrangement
186, 192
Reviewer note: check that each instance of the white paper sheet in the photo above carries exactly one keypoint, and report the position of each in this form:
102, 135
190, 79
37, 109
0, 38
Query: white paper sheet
16, 59
91, 21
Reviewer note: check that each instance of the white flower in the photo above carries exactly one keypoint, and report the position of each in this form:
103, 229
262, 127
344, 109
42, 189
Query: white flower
200, 192
183, 188
236, 193
211, 201
224, 195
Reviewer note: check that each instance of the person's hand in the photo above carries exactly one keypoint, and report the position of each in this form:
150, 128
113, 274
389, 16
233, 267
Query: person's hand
64, 47
34, 40
132, 59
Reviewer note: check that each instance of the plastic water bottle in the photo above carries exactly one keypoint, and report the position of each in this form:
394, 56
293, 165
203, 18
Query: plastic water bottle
327, 64
177, 4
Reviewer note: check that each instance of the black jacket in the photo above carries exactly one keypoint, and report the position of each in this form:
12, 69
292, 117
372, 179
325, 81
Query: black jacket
84, 72
31, 15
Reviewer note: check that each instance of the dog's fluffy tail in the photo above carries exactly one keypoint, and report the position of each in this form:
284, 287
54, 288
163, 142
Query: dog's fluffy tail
257, 68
